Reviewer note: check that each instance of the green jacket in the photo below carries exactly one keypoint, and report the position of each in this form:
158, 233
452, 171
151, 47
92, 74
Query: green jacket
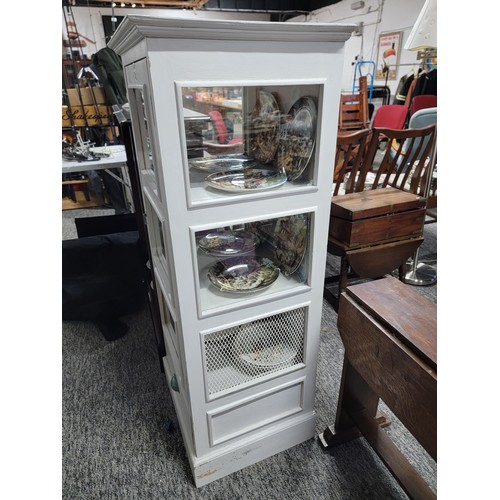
109, 69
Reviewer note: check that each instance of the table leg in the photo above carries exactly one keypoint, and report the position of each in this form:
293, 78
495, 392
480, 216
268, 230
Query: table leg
355, 396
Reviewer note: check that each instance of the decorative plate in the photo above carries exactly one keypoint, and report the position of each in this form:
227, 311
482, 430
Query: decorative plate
222, 163
261, 351
243, 275
228, 243
297, 137
250, 179
264, 128
290, 239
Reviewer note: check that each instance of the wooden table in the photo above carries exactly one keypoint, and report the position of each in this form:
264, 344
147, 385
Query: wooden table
389, 335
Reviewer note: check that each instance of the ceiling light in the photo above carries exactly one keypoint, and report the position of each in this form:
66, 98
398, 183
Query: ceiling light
133, 5
122, 5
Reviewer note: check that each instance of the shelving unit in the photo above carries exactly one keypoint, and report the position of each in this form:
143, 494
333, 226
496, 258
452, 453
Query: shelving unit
241, 333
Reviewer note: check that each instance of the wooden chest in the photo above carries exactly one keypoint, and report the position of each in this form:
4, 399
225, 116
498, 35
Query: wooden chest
376, 216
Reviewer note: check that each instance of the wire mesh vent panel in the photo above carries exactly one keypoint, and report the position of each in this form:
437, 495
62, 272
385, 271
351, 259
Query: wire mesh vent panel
243, 353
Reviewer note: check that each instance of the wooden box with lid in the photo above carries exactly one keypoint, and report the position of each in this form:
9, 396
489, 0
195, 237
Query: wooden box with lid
376, 216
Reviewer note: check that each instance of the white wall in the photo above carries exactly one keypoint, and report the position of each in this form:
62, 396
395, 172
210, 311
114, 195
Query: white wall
378, 16
88, 21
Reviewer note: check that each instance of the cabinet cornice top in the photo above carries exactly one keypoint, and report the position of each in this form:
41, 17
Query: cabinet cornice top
135, 28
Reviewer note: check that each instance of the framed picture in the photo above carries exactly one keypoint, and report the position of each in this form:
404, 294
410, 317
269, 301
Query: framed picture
389, 48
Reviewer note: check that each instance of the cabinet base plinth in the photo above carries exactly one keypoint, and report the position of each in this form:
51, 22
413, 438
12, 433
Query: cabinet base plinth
266, 444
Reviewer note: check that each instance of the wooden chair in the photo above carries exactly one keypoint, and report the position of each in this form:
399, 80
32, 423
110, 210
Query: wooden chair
405, 165
354, 114
350, 158
422, 118
379, 226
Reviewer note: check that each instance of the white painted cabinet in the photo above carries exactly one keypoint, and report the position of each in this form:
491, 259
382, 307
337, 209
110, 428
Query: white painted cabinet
238, 233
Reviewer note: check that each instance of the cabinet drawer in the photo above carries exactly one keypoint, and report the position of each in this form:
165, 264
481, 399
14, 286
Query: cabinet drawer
255, 412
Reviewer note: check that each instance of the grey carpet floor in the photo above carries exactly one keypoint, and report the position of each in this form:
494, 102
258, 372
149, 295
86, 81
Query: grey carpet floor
121, 438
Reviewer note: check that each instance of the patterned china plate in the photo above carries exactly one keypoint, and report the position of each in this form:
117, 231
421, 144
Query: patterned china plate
243, 275
265, 128
297, 138
290, 239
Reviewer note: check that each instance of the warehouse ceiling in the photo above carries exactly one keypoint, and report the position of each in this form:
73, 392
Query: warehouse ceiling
279, 10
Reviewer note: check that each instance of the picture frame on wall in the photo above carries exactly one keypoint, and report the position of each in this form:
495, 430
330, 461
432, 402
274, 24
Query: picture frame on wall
388, 52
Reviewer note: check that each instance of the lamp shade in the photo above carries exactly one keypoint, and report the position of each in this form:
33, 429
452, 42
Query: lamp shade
424, 32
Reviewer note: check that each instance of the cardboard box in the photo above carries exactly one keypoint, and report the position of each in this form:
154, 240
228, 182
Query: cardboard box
81, 116
87, 99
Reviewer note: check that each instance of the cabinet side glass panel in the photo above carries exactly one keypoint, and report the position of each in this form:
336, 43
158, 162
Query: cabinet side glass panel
248, 139
168, 324
142, 133
156, 234
247, 261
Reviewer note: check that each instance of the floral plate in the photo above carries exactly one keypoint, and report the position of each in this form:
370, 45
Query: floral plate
290, 239
264, 128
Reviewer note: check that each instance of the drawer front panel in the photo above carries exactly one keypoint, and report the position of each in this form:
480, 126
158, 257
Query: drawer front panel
378, 229
256, 412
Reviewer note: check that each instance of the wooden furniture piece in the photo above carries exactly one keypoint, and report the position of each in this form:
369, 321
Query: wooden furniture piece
350, 158
422, 118
420, 273
71, 185
353, 114
389, 334
373, 232
406, 164
240, 353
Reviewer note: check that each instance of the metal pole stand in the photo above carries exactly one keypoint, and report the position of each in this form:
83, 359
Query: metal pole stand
420, 274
